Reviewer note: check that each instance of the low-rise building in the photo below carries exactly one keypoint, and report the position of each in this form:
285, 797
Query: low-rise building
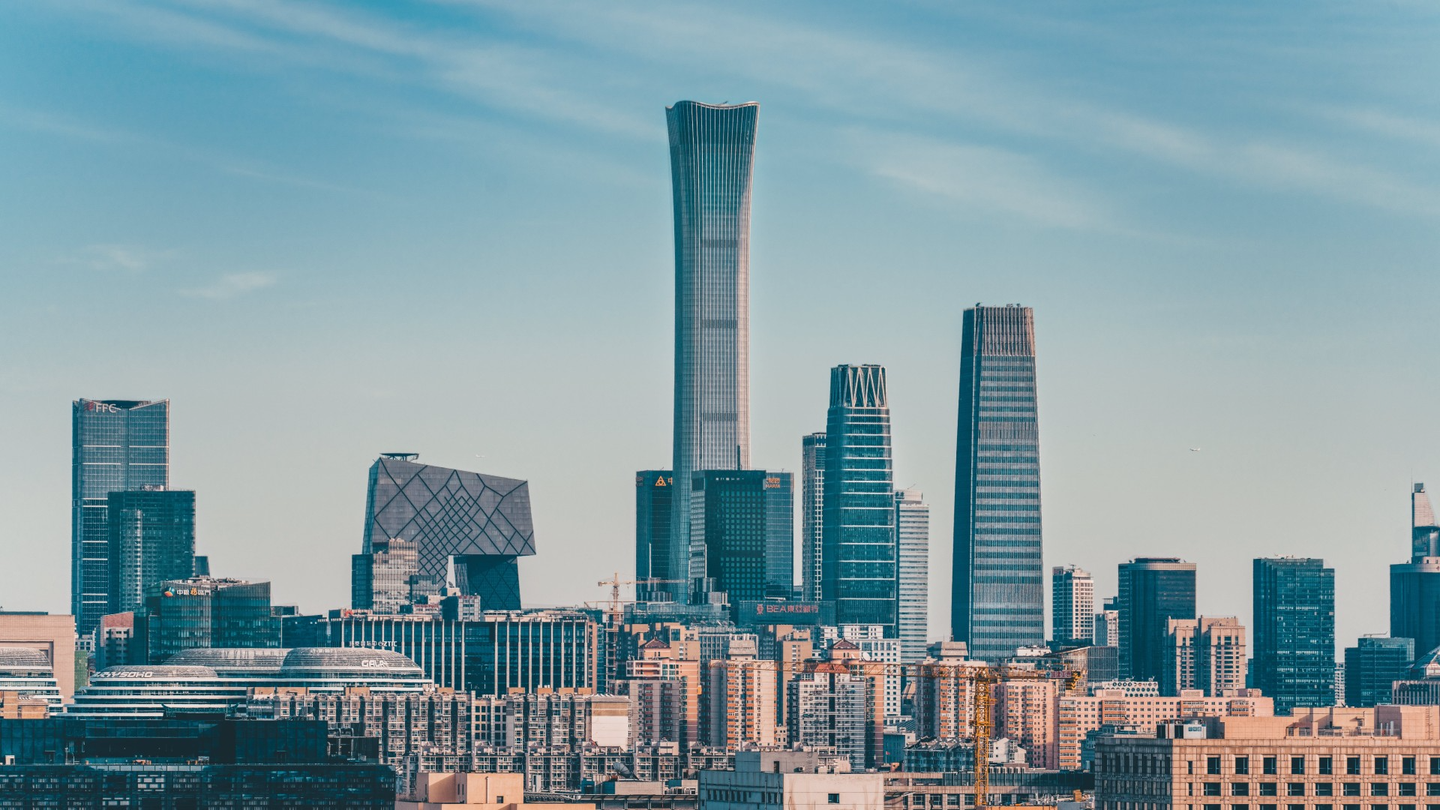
52, 636
789, 780
474, 791
1078, 715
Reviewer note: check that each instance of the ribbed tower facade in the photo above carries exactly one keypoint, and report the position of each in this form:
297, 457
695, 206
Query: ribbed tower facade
912, 534
712, 149
997, 588
860, 555
812, 516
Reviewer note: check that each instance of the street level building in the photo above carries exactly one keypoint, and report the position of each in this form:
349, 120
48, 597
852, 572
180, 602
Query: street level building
116, 445
1294, 632
997, 600
860, 554
712, 151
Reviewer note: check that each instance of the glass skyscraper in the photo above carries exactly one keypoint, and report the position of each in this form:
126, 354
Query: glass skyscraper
1415, 586
1373, 666
860, 556
1153, 590
152, 539
1294, 631
812, 514
116, 445
912, 536
654, 515
997, 587
479, 522
745, 521
712, 148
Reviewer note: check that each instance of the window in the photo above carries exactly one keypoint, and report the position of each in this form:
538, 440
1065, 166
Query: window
1212, 788
1350, 807
1432, 789
1379, 788
1268, 789
1406, 788
1350, 789
1407, 766
1294, 807
1271, 765
834, 798
1382, 766
1212, 765
1239, 788
1190, 767
1217, 807
1242, 765
1326, 766
1297, 765
1435, 766
1352, 766
1324, 789
1295, 789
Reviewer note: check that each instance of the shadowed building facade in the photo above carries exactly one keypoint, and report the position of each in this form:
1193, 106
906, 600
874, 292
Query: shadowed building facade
654, 514
860, 548
117, 445
1294, 632
1153, 590
152, 539
997, 587
1415, 586
712, 148
480, 521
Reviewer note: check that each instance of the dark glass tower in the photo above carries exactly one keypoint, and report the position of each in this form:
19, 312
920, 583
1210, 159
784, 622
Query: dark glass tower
1294, 632
745, 521
998, 583
196, 612
712, 148
480, 522
116, 445
152, 539
654, 514
1372, 666
1153, 590
812, 514
860, 554
1415, 586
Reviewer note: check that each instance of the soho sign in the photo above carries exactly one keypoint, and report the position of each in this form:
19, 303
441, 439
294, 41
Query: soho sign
142, 674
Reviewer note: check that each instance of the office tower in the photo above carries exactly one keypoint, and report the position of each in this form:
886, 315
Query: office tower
116, 445
1207, 653
812, 515
196, 612
654, 513
1294, 632
1107, 624
1072, 605
479, 522
1153, 590
912, 531
388, 578
152, 539
828, 707
859, 554
1415, 586
997, 588
744, 522
711, 152
1372, 666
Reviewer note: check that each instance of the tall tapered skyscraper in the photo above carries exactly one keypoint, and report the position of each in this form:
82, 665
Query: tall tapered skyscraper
712, 148
997, 588
812, 515
117, 445
860, 554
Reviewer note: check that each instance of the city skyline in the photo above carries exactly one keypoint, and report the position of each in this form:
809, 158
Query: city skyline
273, 486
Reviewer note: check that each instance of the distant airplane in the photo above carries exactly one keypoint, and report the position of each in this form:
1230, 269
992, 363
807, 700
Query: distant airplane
1194, 449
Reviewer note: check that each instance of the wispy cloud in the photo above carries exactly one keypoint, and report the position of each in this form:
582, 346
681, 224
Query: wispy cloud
232, 285
118, 257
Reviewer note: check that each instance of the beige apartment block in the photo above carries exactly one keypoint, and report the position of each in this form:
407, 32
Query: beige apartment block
1207, 653
1385, 758
1025, 713
1077, 715
52, 635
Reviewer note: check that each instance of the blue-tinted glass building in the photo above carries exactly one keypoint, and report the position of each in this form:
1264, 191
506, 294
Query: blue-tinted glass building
1415, 586
116, 445
481, 522
744, 520
997, 587
1294, 632
1373, 665
152, 539
712, 149
1153, 590
860, 554
654, 514
198, 612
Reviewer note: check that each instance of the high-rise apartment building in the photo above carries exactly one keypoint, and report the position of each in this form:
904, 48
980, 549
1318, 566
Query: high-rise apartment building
912, 531
741, 703
1207, 653
712, 149
1107, 624
997, 590
152, 539
828, 708
1372, 666
1072, 605
654, 513
478, 523
743, 521
1153, 590
1415, 586
812, 514
1294, 632
116, 445
860, 558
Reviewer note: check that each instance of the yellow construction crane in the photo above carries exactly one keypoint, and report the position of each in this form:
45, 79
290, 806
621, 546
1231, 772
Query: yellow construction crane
616, 582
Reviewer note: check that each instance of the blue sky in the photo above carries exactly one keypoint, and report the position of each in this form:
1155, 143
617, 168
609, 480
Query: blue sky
326, 231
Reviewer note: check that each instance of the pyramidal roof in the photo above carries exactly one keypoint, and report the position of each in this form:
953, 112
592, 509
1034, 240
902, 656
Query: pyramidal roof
1421, 513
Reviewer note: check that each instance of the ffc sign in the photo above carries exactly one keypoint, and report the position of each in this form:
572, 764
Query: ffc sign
102, 407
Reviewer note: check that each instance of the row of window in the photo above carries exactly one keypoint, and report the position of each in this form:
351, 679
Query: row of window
1320, 789
1380, 766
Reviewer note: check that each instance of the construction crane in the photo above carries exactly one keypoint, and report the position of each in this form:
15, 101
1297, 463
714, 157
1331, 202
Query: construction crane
984, 677
616, 582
